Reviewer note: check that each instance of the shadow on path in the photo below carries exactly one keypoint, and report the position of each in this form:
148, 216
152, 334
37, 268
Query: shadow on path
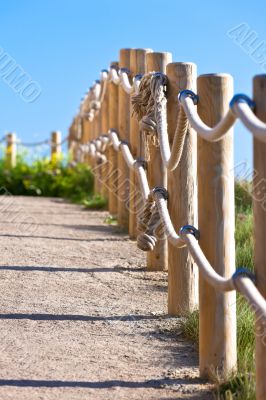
112, 239
70, 269
77, 317
155, 383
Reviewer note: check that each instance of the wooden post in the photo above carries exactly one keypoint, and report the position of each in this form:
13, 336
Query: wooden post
104, 130
86, 125
182, 271
217, 348
112, 154
55, 146
156, 172
137, 66
75, 137
71, 138
259, 209
11, 150
124, 130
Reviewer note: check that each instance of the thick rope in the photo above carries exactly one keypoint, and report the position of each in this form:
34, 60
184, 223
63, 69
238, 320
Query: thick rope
150, 106
240, 107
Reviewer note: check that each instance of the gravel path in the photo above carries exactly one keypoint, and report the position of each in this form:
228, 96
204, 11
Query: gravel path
80, 317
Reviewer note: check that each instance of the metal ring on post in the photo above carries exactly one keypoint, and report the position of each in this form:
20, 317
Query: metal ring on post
241, 98
164, 79
189, 229
140, 162
162, 191
137, 77
188, 93
123, 142
244, 272
126, 70
104, 74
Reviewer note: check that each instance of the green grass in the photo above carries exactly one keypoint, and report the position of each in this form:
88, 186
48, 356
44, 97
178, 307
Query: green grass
110, 220
240, 385
95, 202
43, 178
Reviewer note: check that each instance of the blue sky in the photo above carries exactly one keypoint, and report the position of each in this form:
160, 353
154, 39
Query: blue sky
63, 44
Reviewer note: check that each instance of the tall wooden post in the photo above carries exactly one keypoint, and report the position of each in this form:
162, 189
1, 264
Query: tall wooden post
71, 140
217, 346
86, 128
55, 146
75, 138
11, 150
124, 130
112, 154
137, 66
156, 172
182, 271
259, 209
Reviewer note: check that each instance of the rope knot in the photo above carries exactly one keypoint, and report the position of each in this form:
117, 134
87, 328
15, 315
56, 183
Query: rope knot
146, 242
148, 123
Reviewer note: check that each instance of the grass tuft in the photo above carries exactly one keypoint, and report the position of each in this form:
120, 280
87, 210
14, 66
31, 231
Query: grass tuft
240, 385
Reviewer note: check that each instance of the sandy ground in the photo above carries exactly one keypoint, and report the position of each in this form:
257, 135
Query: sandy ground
80, 317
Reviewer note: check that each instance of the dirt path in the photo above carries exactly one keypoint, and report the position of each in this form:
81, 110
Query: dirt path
80, 318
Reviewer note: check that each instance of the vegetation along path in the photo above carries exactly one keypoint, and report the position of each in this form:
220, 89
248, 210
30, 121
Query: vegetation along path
80, 317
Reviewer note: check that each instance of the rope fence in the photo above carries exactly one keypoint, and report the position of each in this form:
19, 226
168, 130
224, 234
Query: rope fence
12, 143
160, 142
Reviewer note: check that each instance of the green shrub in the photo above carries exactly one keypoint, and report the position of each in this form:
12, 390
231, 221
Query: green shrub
243, 196
43, 178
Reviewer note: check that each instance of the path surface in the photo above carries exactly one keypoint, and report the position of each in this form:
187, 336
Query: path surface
80, 318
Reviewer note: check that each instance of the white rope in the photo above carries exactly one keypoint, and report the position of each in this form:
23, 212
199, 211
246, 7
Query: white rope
114, 138
113, 75
257, 302
98, 144
142, 179
136, 83
249, 119
210, 134
124, 80
209, 274
240, 107
92, 149
172, 236
130, 161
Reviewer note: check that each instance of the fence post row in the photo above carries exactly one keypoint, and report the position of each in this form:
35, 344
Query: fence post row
217, 225
259, 210
211, 165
